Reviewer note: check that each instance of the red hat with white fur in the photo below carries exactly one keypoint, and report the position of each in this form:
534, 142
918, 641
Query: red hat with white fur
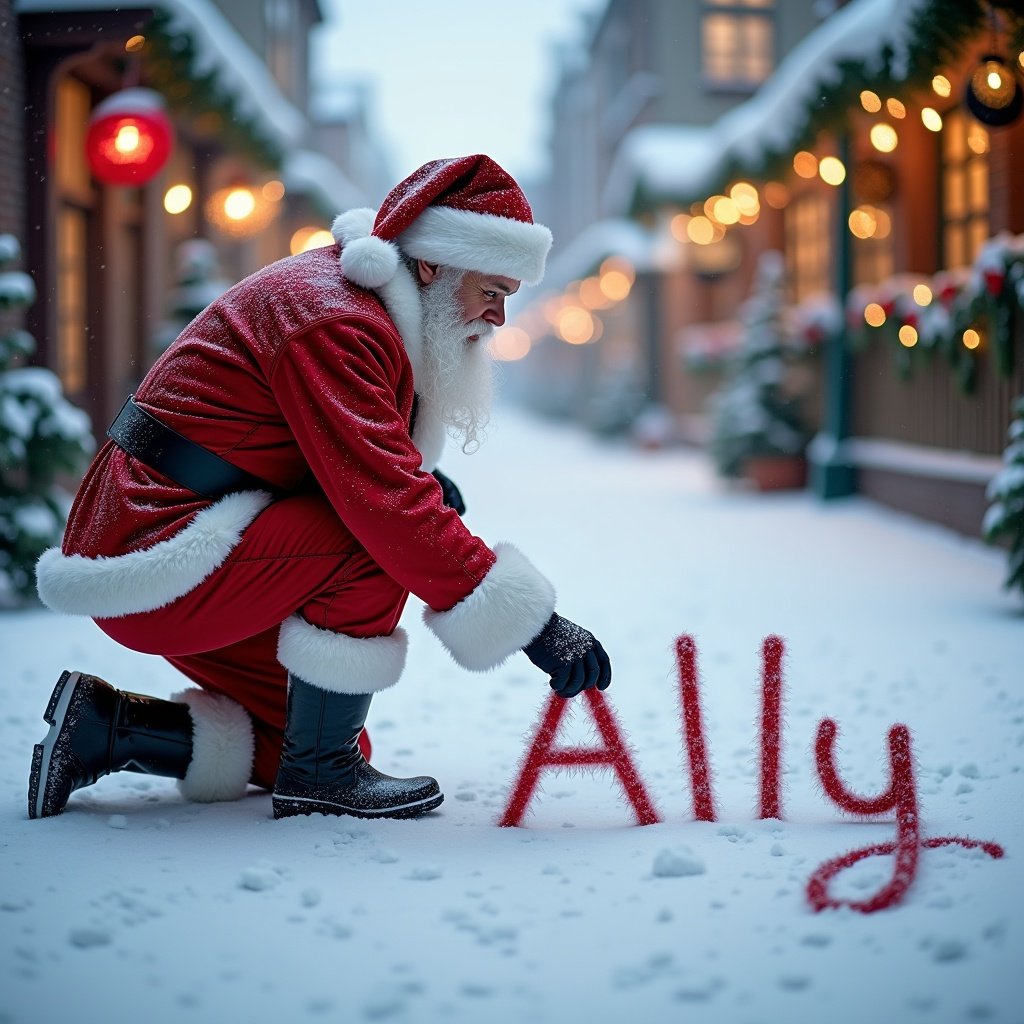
465, 212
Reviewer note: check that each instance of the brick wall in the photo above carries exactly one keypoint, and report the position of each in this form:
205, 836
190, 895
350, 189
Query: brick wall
12, 129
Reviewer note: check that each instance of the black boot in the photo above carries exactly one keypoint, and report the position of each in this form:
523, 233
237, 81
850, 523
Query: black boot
323, 771
95, 730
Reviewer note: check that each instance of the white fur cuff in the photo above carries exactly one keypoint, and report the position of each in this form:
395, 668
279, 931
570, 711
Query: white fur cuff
223, 747
507, 610
340, 663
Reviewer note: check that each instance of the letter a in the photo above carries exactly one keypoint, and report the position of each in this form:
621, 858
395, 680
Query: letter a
543, 754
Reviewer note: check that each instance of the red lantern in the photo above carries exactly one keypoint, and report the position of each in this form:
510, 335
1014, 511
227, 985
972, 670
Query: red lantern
129, 137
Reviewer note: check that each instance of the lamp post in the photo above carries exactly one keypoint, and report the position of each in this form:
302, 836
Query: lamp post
831, 471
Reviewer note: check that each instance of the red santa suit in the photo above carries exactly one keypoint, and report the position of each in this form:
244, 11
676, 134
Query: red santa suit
306, 381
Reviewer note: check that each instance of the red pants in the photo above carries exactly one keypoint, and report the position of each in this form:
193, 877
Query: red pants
296, 556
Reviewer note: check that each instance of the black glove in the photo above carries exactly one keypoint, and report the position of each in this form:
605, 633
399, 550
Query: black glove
452, 495
572, 657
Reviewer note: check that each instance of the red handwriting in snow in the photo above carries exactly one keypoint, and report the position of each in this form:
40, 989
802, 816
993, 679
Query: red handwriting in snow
901, 796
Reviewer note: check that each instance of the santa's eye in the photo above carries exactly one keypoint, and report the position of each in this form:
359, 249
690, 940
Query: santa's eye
491, 295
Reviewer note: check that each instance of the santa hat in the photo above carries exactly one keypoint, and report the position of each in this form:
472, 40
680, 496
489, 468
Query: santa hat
465, 212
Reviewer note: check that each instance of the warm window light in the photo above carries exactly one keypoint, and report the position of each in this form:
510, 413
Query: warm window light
941, 86
870, 102
922, 294
874, 314
615, 285
931, 119
135, 44
509, 344
273, 190
972, 339
239, 203
309, 238
576, 325
701, 231
591, 295
883, 137
805, 164
677, 226
177, 199
619, 263
977, 139
832, 170
895, 108
725, 211
776, 195
744, 195
863, 222
908, 336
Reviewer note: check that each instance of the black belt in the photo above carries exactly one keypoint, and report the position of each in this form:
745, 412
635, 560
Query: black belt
188, 464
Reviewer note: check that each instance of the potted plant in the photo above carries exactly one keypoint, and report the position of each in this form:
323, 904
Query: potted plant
757, 428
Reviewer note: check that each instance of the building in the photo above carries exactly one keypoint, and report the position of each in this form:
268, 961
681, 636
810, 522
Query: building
251, 169
690, 138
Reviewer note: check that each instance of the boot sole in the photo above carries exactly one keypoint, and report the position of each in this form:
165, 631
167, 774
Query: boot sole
42, 753
291, 806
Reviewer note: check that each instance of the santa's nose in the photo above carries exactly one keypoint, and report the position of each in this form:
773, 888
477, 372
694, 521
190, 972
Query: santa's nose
495, 315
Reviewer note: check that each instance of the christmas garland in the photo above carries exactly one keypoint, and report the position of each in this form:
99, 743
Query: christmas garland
172, 69
953, 313
940, 33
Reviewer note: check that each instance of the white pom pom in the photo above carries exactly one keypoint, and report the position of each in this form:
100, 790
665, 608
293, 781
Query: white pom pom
369, 262
353, 224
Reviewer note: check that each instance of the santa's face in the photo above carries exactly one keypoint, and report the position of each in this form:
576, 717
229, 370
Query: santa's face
483, 298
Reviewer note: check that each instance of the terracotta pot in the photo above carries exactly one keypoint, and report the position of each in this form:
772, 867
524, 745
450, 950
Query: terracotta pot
776, 472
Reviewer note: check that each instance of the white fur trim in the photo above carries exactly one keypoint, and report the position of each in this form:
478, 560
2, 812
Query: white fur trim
353, 224
141, 581
341, 663
369, 262
507, 610
223, 747
475, 241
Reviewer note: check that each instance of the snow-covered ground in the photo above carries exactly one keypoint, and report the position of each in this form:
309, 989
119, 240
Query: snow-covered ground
136, 906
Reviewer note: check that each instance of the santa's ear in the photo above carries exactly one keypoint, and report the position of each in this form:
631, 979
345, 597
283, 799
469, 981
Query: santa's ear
427, 271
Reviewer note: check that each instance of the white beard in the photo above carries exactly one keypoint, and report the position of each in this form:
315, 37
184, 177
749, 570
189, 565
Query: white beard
457, 377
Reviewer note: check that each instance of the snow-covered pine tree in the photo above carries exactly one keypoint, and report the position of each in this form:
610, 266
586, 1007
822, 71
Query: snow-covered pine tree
752, 413
1005, 516
41, 437
198, 282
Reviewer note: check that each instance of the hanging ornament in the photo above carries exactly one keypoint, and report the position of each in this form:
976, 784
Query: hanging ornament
993, 92
129, 137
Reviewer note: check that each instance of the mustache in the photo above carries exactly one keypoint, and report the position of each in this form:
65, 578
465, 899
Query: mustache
481, 328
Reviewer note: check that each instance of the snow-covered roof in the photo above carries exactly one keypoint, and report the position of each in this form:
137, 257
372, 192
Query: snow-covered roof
320, 178
615, 237
219, 48
668, 162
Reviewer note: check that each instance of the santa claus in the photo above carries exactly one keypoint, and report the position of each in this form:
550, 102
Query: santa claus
269, 498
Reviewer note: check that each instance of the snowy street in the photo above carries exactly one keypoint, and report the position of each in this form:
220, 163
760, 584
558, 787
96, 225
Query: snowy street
136, 906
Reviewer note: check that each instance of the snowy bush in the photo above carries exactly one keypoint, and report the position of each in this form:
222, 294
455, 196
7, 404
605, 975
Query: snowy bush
753, 413
41, 437
197, 284
1005, 516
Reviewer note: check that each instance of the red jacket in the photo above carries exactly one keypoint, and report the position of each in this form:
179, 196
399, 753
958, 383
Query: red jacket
302, 379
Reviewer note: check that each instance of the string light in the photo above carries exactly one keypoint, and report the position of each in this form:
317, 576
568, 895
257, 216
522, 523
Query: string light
971, 339
922, 294
895, 108
908, 336
177, 199
931, 119
309, 238
874, 314
701, 230
941, 86
805, 164
509, 344
870, 101
883, 137
832, 170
